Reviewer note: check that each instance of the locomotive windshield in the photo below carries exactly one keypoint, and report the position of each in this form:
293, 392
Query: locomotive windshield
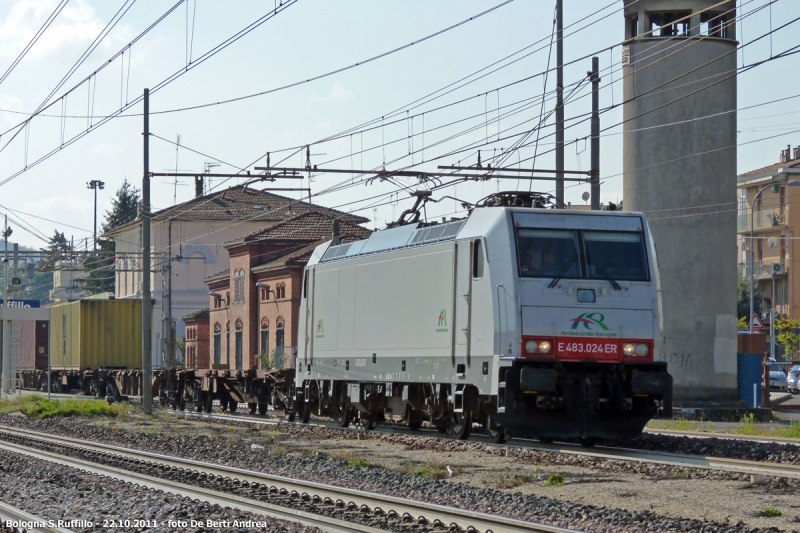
615, 255
548, 253
611, 255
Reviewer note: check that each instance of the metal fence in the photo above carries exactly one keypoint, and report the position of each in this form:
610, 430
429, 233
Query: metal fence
781, 385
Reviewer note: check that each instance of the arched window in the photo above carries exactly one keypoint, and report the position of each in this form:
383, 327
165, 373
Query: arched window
239, 344
228, 342
279, 341
265, 337
217, 344
228, 299
238, 287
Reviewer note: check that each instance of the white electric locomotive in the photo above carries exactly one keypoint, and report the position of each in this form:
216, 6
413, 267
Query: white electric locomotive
534, 322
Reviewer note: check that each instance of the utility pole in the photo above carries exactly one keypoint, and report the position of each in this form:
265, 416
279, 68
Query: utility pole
560, 104
6, 324
595, 144
94, 185
147, 302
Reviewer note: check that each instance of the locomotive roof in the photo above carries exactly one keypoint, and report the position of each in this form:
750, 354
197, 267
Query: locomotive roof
416, 234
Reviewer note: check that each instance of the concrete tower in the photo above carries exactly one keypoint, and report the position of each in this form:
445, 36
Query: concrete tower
679, 160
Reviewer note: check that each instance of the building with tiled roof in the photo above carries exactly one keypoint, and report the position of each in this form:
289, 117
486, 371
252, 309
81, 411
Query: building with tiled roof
773, 220
197, 339
255, 305
188, 240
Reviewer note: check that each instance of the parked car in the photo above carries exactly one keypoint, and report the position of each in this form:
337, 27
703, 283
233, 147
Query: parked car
793, 379
777, 380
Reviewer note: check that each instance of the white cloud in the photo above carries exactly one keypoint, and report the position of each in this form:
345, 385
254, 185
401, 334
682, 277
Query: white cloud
337, 92
75, 27
76, 209
107, 150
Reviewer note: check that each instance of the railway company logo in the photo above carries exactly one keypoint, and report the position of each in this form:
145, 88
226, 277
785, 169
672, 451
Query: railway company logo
320, 329
590, 324
589, 321
442, 327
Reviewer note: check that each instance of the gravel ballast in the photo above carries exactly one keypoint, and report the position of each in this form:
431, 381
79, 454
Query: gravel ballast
87, 502
232, 446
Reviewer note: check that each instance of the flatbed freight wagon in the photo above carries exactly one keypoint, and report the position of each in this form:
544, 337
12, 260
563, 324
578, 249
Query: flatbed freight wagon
87, 339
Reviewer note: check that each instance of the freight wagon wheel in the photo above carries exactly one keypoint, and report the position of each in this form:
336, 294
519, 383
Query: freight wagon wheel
232, 405
291, 412
413, 419
588, 442
460, 425
55, 386
208, 402
262, 408
342, 415
223, 403
495, 431
251, 407
305, 412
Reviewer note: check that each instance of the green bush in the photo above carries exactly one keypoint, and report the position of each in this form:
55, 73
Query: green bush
36, 406
555, 480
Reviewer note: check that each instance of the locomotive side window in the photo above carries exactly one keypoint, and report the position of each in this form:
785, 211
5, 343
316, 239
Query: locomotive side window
477, 259
548, 253
615, 255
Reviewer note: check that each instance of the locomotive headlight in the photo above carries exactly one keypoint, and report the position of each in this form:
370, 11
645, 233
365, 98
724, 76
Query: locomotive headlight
642, 349
544, 347
629, 349
531, 347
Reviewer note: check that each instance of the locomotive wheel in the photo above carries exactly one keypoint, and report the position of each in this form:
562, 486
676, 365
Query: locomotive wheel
291, 413
460, 425
305, 412
546, 440
251, 407
232, 405
495, 431
588, 442
367, 422
342, 415
413, 419
262, 408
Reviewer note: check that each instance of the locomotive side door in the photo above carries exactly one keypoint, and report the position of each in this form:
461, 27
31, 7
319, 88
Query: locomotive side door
308, 289
462, 296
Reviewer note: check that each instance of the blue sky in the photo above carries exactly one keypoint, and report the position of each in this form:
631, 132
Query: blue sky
309, 38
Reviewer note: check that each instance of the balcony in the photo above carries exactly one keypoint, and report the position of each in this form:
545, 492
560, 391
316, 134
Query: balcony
764, 219
764, 269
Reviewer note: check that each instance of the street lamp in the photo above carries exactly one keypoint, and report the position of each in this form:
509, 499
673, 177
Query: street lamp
792, 183
94, 185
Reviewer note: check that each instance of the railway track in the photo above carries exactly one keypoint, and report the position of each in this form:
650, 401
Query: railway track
32, 523
600, 452
135, 466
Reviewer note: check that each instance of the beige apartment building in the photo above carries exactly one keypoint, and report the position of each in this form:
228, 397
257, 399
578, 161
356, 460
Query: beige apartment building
776, 230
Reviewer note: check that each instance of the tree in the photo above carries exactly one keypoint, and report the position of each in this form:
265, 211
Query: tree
786, 327
743, 298
124, 208
58, 243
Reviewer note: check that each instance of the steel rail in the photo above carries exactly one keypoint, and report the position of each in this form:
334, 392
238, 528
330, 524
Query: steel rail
197, 493
9, 512
600, 452
724, 436
470, 520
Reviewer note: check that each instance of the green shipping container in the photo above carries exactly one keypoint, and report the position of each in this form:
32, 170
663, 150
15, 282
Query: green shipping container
96, 334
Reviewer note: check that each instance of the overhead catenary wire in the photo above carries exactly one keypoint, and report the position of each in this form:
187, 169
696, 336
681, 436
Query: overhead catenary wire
59, 7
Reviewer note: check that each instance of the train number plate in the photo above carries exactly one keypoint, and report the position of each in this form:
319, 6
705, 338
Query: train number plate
587, 348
